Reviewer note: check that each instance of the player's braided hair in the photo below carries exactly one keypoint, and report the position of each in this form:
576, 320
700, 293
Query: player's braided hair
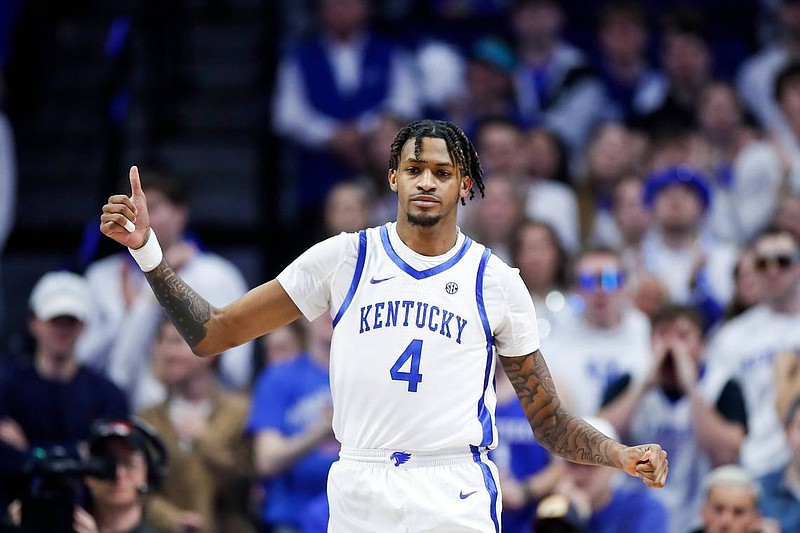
458, 144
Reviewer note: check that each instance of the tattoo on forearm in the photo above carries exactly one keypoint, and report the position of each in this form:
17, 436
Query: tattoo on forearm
555, 428
187, 309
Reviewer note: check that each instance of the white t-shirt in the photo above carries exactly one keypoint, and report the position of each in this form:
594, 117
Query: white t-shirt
584, 359
412, 354
745, 349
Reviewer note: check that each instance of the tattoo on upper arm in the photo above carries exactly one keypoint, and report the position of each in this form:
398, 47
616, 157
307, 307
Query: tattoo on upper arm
187, 309
557, 429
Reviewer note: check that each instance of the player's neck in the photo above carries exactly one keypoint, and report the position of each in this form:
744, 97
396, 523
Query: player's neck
429, 241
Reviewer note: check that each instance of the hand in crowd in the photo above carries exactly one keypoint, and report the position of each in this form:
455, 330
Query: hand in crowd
83, 522
189, 522
685, 368
12, 434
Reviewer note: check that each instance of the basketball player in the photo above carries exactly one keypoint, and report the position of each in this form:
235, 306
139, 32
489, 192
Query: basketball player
418, 311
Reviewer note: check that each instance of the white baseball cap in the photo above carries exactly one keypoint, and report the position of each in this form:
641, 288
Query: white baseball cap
61, 294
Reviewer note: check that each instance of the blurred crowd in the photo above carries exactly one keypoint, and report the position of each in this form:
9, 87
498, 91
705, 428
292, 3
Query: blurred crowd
645, 181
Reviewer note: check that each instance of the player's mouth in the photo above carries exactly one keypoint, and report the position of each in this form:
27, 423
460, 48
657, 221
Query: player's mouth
425, 201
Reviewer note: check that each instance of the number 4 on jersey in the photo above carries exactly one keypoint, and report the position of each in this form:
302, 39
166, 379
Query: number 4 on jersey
414, 352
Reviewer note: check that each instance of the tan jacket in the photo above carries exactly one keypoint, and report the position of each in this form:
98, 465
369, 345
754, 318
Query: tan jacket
211, 478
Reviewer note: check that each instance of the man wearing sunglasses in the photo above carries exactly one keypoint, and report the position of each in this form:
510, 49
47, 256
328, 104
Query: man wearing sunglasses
746, 348
610, 338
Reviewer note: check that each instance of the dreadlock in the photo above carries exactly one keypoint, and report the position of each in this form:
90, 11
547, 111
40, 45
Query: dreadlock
458, 145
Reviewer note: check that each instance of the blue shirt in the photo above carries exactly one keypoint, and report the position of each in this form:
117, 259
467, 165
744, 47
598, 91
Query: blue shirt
517, 451
288, 398
778, 502
53, 413
632, 512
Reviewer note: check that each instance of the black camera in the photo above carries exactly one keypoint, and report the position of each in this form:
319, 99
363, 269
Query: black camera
55, 486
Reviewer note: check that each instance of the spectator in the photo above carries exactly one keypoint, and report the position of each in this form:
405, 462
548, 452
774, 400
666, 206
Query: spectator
588, 356
668, 403
687, 62
731, 503
203, 427
696, 269
488, 86
781, 489
736, 352
129, 315
623, 65
757, 74
609, 507
745, 172
632, 220
610, 156
747, 290
384, 203
498, 214
132, 460
555, 85
549, 197
442, 71
346, 209
283, 344
329, 92
542, 263
499, 144
290, 421
787, 139
51, 401
140, 459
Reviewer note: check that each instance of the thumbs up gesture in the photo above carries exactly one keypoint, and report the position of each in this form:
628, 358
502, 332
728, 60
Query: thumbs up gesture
125, 219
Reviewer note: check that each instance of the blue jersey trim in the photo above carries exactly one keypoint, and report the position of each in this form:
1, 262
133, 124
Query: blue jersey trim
491, 485
484, 416
421, 274
362, 256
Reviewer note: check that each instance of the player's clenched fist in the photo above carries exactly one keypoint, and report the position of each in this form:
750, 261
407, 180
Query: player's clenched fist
647, 462
125, 219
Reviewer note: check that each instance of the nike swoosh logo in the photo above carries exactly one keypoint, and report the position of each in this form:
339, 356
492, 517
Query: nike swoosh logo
467, 495
375, 281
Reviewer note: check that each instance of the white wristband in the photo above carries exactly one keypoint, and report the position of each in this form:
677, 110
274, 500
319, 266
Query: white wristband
150, 255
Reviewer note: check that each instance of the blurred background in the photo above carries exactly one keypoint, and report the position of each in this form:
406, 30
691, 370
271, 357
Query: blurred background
92, 87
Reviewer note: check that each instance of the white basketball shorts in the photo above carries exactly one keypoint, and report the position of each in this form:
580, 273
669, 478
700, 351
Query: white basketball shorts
394, 491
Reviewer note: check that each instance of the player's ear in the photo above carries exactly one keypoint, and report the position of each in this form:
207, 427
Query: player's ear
466, 186
392, 180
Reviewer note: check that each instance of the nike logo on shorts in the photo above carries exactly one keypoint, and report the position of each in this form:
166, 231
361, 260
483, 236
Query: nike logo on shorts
376, 281
467, 495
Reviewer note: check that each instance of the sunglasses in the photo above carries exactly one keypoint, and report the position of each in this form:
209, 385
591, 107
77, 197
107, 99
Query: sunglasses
782, 261
609, 280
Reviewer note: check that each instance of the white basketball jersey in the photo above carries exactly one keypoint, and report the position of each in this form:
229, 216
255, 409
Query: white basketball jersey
412, 352
669, 423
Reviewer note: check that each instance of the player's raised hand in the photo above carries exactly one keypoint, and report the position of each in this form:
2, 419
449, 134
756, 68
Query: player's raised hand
125, 219
647, 462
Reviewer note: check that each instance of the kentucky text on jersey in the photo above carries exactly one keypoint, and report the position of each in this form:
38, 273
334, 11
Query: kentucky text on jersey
408, 313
